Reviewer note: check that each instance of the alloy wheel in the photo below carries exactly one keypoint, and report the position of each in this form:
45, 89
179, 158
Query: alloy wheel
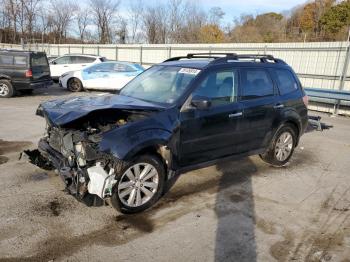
138, 184
284, 146
4, 89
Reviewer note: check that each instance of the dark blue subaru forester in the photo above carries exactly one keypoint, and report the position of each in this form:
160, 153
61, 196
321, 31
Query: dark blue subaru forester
185, 113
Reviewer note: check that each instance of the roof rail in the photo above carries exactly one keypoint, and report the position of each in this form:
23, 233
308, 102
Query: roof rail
227, 57
201, 55
81, 54
261, 58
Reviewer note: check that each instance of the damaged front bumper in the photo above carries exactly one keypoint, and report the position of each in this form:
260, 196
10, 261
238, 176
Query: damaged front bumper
93, 183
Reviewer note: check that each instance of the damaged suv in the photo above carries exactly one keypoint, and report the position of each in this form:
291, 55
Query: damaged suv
183, 114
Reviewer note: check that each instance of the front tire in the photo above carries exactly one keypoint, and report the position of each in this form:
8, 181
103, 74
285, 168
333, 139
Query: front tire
6, 89
282, 147
139, 185
74, 85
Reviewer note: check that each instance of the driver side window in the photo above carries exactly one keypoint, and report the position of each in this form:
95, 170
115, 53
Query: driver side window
220, 86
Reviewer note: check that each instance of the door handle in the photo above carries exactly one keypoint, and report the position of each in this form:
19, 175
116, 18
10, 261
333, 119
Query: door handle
65, 66
278, 106
235, 114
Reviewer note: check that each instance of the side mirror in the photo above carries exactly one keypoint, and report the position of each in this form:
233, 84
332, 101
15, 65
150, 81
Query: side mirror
201, 102
53, 63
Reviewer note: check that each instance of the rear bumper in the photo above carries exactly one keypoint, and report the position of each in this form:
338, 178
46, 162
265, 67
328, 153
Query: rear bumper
32, 84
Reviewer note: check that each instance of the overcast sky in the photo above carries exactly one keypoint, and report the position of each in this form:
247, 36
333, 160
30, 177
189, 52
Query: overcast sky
234, 8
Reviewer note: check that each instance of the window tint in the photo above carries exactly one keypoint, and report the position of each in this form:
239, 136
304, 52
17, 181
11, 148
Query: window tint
6, 60
286, 81
82, 60
20, 60
123, 68
102, 67
220, 87
39, 60
256, 83
63, 60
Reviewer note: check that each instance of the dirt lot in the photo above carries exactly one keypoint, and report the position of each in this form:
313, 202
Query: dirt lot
236, 211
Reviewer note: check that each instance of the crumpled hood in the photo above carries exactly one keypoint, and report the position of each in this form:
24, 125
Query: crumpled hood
63, 111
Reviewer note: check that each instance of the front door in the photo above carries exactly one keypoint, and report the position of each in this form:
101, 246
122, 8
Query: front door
60, 66
207, 134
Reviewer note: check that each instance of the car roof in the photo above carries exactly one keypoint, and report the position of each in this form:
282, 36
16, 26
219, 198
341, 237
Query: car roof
192, 63
86, 55
207, 60
201, 63
16, 51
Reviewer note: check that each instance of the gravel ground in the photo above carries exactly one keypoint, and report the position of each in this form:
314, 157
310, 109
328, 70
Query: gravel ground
236, 211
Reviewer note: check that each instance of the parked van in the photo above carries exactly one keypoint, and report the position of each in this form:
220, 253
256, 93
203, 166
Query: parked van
23, 71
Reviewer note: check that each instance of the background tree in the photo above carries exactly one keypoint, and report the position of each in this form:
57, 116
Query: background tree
135, 12
103, 13
336, 20
211, 34
83, 19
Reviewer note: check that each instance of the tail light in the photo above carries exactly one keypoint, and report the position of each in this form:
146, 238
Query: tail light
306, 100
29, 73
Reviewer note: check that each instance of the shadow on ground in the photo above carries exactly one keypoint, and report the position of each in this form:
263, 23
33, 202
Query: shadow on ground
234, 207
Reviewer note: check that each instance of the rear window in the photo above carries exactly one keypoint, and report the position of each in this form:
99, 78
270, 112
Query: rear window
256, 83
6, 60
39, 60
286, 81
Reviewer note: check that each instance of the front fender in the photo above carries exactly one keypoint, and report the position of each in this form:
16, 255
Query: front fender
125, 145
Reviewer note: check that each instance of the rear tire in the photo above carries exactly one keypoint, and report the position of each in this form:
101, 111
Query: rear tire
282, 147
135, 195
6, 89
74, 85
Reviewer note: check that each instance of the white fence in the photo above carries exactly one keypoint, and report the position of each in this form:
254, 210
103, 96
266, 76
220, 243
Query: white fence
318, 65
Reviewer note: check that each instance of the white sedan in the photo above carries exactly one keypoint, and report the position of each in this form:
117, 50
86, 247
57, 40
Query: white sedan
109, 75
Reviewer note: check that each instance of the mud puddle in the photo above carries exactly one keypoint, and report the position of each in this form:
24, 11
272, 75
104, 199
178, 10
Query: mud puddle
3, 160
7, 147
12, 146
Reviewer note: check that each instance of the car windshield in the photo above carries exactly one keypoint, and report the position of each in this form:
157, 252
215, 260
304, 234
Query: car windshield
160, 84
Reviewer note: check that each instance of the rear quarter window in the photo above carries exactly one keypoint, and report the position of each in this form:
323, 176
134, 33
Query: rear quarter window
82, 59
6, 60
20, 60
285, 81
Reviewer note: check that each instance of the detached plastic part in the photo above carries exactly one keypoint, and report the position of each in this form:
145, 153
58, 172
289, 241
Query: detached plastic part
100, 180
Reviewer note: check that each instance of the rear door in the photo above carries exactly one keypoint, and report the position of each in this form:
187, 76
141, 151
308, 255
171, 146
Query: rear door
259, 107
97, 76
79, 62
39, 66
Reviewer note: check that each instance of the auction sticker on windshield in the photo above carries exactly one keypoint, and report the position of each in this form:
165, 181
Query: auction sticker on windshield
190, 71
